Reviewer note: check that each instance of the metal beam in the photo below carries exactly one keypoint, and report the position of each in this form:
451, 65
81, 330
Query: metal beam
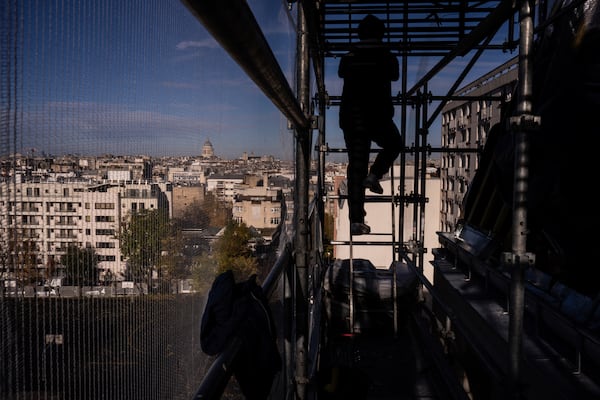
489, 25
233, 25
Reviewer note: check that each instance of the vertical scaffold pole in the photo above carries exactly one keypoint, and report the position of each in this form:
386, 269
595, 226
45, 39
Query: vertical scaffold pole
303, 145
521, 124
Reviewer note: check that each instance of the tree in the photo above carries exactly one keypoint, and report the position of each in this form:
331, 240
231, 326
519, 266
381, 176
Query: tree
204, 270
172, 260
29, 260
233, 252
81, 266
195, 216
141, 242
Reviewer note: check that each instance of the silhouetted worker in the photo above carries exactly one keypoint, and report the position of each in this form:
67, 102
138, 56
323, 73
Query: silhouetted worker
366, 115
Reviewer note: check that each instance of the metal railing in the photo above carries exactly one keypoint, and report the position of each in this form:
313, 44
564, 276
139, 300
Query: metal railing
220, 371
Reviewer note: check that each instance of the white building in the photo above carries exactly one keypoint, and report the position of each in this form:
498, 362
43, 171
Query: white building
466, 125
382, 217
208, 150
41, 219
225, 187
188, 176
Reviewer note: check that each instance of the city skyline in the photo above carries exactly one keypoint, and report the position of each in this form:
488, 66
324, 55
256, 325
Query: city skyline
147, 78
135, 78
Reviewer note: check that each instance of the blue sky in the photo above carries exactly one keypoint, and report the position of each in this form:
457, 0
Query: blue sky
144, 77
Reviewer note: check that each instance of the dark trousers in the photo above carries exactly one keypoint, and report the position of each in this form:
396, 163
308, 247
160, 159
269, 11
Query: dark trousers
358, 143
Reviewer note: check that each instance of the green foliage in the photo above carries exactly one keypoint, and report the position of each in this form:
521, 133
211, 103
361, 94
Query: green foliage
243, 267
81, 266
172, 261
203, 270
141, 239
233, 252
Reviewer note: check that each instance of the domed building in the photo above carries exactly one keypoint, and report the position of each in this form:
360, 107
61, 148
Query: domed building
207, 150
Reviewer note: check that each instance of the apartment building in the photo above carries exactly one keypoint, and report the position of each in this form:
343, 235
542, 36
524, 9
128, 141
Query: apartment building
259, 207
465, 127
39, 220
382, 217
225, 187
139, 167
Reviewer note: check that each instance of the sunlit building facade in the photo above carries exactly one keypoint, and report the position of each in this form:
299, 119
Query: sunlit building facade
465, 127
40, 220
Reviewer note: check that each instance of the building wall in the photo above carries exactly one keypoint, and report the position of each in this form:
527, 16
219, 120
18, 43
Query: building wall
184, 196
225, 188
102, 212
179, 175
259, 207
383, 219
465, 126
50, 216
140, 167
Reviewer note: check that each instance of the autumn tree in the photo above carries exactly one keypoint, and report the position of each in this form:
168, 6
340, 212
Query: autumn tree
81, 266
233, 251
204, 270
194, 216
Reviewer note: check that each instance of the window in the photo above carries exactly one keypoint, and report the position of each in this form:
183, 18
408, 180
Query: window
105, 232
105, 245
104, 206
105, 218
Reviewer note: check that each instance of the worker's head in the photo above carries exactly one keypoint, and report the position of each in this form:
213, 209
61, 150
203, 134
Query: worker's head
371, 27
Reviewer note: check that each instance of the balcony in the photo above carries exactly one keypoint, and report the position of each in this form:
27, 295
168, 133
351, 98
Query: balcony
65, 223
452, 126
485, 114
